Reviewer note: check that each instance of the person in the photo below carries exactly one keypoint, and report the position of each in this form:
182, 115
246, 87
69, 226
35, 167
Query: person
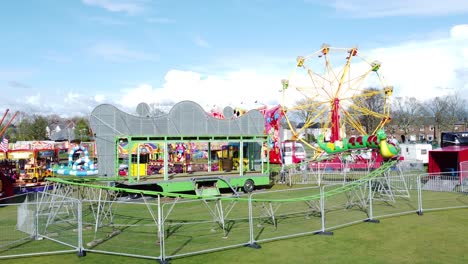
282, 174
303, 168
264, 152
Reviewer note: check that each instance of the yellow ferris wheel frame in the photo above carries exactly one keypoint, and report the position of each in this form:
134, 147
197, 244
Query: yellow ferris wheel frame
336, 92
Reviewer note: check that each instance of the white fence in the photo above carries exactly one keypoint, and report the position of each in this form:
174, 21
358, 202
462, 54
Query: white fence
39, 223
331, 173
163, 228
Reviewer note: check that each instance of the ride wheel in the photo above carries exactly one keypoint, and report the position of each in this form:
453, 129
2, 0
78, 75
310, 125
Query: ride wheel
337, 91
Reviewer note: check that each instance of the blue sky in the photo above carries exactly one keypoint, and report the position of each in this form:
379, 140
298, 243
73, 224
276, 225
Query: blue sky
66, 57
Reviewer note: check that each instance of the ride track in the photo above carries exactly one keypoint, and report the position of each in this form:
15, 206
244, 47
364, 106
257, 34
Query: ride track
90, 183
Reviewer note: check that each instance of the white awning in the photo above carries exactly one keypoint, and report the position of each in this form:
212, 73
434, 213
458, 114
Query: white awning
20, 155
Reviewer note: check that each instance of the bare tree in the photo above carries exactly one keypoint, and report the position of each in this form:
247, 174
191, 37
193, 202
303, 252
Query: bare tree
158, 109
307, 113
406, 113
54, 119
368, 107
437, 108
446, 112
456, 110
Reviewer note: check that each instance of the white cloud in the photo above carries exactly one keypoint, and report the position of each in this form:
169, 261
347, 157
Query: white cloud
370, 8
201, 42
68, 104
459, 32
233, 89
142, 93
421, 68
418, 68
119, 53
33, 99
99, 98
71, 98
130, 7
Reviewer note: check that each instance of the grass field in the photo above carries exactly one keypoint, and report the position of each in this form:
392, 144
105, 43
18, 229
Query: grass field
435, 237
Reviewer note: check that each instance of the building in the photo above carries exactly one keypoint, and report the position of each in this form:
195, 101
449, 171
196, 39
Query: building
61, 131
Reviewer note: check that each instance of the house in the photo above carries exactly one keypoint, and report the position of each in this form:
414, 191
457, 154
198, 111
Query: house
61, 131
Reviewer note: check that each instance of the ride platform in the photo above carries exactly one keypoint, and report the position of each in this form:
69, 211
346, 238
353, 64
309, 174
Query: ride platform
196, 181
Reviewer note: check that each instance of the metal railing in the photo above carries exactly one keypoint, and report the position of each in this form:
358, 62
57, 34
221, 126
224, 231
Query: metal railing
163, 228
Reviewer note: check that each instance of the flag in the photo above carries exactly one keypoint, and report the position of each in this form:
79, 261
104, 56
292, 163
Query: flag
4, 144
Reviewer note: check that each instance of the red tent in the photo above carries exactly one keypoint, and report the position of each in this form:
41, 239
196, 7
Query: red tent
447, 159
6, 187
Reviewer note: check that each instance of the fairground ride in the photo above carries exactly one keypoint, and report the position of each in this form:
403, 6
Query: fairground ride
7, 171
187, 123
4, 128
339, 91
185, 150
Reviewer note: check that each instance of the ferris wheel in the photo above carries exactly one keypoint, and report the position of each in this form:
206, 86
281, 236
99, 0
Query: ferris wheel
338, 91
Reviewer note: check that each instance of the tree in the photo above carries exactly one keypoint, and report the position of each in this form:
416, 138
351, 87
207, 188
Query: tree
406, 113
54, 119
11, 134
82, 130
437, 109
39, 125
456, 110
8, 119
24, 130
31, 128
446, 112
368, 108
158, 109
307, 113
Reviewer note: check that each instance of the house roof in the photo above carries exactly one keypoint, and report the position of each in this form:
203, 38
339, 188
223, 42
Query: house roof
316, 125
66, 134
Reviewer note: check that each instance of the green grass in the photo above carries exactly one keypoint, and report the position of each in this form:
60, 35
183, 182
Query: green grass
436, 237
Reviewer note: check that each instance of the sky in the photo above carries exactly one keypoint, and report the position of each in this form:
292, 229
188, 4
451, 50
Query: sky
67, 57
